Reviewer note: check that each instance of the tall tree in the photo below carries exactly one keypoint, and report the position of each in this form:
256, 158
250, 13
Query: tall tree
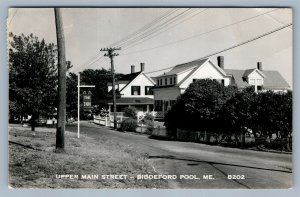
198, 107
32, 76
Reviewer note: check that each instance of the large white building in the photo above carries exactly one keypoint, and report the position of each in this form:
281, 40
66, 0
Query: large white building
133, 90
173, 83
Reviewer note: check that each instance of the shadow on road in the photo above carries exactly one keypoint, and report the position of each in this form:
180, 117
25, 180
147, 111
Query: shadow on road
197, 162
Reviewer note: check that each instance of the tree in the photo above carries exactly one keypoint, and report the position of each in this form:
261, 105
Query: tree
237, 112
32, 76
274, 115
198, 107
71, 99
99, 78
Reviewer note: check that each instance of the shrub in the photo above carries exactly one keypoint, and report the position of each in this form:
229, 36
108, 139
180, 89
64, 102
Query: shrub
130, 112
148, 120
129, 124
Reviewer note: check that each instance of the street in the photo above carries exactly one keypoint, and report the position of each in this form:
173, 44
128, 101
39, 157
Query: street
228, 167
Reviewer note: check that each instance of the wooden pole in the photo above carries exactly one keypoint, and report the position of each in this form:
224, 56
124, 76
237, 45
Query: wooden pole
60, 130
113, 88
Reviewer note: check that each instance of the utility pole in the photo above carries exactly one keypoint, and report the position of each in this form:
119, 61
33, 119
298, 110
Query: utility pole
110, 53
61, 119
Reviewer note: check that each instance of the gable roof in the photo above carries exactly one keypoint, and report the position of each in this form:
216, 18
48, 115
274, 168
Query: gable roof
184, 67
272, 80
238, 76
249, 71
197, 68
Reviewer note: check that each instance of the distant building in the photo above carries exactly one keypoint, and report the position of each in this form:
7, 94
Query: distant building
133, 90
173, 83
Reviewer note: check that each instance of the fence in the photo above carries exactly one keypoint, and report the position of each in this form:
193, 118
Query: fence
109, 119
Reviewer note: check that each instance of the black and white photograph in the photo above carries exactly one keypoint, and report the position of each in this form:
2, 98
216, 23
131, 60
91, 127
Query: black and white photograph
150, 98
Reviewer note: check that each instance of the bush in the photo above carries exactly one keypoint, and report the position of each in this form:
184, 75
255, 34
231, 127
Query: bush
129, 124
148, 120
130, 112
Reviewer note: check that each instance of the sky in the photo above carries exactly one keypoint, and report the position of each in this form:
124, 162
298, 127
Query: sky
190, 36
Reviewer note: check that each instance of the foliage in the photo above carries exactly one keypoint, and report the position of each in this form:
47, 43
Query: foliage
130, 112
148, 120
32, 76
236, 114
198, 107
99, 78
129, 124
209, 107
71, 94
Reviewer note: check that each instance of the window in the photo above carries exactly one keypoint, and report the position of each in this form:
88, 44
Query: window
221, 81
171, 80
252, 81
166, 81
161, 82
259, 88
158, 105
148, 90
174, 80
258, 81
158, 82
135, 90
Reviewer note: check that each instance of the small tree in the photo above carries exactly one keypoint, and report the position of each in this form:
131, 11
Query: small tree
130, 112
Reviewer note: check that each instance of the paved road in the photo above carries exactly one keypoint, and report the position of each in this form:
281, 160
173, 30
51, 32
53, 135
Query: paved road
260, 169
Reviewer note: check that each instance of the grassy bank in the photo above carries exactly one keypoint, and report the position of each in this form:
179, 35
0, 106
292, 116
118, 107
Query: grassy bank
34, 164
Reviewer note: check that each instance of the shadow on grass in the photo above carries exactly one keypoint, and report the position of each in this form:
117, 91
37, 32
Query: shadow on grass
162, 138
198, 162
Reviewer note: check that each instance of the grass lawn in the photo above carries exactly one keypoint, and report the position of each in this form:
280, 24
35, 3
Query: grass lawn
34, 164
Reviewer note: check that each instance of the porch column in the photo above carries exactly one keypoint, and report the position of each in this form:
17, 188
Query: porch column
147, 108
109, 109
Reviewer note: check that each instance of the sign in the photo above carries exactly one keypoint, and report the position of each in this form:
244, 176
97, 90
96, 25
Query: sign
87, 100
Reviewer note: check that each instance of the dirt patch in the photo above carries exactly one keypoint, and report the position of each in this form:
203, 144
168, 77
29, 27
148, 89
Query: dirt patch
33, 162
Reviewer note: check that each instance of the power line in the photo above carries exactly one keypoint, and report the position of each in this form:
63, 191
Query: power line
146, 27
96, 58
234, 46
201, 34
154, 29
159, 32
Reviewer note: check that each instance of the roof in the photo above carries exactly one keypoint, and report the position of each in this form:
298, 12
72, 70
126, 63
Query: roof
248, 72
134, 100
184, 67
272, 80
125, 79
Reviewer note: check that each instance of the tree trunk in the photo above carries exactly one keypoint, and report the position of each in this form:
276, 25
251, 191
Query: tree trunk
32, 122
243, 139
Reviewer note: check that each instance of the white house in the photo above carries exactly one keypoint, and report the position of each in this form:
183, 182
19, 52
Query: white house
173, 83
134, 90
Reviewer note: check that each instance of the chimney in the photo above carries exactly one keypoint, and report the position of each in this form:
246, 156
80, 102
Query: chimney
142, 67
132, 68
220, 61
259, 66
